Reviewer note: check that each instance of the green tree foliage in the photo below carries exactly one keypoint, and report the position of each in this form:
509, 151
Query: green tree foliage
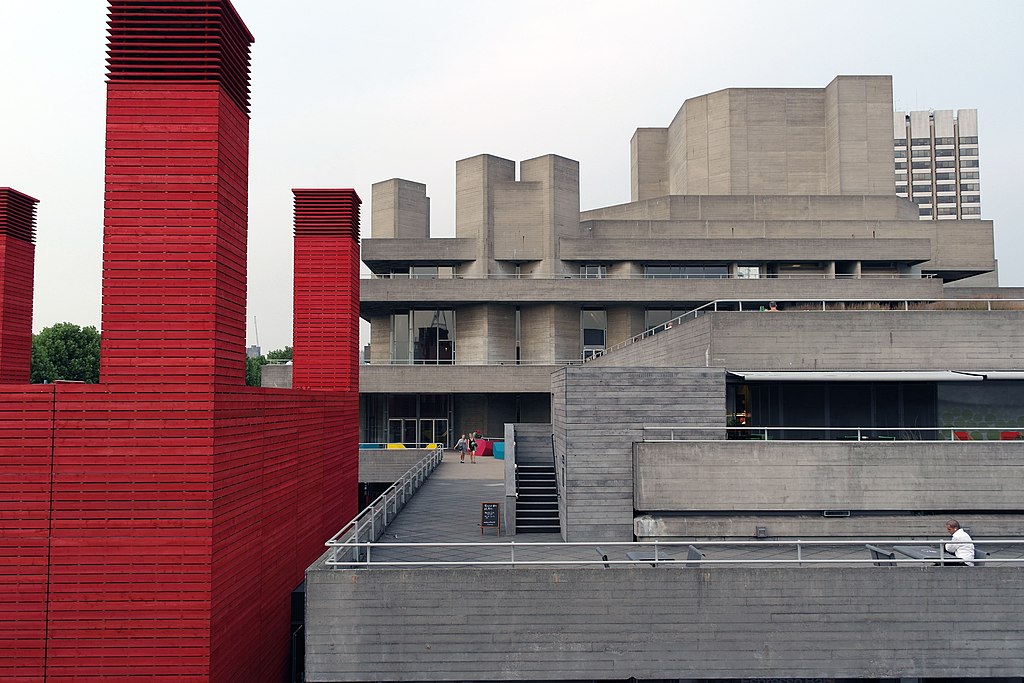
253, 365
66, 351
280, 354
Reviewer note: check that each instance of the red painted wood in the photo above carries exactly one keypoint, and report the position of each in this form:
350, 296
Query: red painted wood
154, 525
17, 257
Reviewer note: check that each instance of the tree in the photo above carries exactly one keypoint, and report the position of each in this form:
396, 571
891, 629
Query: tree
280, 354
253, 374
66, 351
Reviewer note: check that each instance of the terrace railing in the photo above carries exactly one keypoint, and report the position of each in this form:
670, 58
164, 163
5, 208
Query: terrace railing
797, 552
369, 524
658, 433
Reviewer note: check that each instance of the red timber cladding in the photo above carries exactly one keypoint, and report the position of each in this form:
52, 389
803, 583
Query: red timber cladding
26, 436
277, 498
17, 259
176, 192
131, 525
175, 235
155, 525
325, 336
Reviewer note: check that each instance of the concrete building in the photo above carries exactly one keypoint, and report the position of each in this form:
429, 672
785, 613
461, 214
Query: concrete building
748, 195
936, 154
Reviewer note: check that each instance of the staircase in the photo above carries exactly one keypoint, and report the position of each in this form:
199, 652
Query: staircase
536, 489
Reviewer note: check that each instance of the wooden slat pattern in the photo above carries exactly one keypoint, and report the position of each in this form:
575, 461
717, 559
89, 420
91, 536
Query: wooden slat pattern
326, 312
17, 260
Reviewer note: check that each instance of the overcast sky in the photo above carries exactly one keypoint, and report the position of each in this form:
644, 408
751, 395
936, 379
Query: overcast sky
345, 94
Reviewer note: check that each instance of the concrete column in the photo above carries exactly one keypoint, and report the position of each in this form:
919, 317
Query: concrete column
559, 180
400, 209
647, 165
475, 181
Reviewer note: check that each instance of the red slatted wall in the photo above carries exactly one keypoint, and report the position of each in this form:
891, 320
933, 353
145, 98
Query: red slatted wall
17, 256
155, 525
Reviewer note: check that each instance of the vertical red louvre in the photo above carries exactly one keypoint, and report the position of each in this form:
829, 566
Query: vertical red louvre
175, 206
17, 259
325, 334
153, 527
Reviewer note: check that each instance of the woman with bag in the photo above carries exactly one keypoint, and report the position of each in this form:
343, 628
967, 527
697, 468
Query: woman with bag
460, 446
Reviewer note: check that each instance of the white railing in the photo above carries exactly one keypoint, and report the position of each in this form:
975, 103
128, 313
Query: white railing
368, 525
849, 305
658, 433
641, 276
476, 363
818, 552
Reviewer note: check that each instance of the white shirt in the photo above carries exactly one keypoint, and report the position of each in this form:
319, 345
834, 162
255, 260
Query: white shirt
962, 546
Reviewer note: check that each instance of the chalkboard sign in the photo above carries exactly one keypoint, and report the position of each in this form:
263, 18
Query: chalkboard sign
490, 516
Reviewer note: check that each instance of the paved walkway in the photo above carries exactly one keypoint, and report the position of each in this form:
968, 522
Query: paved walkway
446, 509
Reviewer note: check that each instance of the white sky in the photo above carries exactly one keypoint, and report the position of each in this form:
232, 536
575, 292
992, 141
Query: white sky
346, 94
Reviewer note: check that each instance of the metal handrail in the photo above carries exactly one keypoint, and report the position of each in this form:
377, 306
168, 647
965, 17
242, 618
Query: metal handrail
482, 363
855, 433
386, 505
662, 553
712, 307
640, 276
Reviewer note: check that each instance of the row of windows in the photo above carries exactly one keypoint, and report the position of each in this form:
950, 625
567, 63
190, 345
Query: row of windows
969, 175
971, 211
971, 199
964, 140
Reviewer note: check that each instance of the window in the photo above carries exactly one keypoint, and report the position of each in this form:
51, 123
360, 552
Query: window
922, 153
923, 176
901, 164
970, 187
923, 200
925, 212
593, 271
950, 187
593, 329
921, 141
922, 164
969, 140
969, 175
944, 141
968, 151
969, 163
899, 142
901, 188
947, 164
748, 272
971, 199
945, 176
971, 211
423, 337
947, 210
900, 154
944, 153
653, 317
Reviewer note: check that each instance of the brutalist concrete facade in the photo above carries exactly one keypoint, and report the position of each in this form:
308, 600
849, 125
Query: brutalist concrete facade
748, 194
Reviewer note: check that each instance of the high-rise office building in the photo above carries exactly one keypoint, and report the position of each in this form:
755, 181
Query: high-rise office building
936, 156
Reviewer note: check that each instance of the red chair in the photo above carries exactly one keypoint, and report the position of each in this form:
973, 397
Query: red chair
1009, 436
961, 436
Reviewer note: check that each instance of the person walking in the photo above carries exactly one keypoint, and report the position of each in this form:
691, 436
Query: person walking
460, 446
472, 449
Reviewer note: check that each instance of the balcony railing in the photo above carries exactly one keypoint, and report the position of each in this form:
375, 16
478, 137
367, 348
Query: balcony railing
641, 276
345, 554
656, 434
875, 305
